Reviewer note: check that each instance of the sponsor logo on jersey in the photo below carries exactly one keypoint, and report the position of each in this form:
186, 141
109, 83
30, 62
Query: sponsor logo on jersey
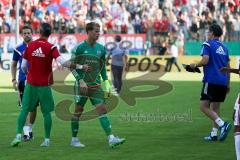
38, 53
220, 51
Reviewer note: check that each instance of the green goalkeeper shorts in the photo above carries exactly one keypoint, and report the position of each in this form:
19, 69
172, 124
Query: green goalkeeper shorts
95, 94
34, 94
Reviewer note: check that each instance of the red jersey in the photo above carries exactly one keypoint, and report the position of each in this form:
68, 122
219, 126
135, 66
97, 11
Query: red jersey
39, 54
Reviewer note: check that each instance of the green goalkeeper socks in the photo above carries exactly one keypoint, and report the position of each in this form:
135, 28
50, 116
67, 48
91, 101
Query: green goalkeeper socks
105, 124
103, 121
74, 126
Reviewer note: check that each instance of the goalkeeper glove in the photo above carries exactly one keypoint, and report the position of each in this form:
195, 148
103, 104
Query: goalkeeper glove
106, 88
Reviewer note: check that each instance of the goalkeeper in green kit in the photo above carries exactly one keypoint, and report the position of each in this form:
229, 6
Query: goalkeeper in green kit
88, 84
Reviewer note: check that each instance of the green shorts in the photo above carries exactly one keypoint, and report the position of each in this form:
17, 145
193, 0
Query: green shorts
33, 94
96, 96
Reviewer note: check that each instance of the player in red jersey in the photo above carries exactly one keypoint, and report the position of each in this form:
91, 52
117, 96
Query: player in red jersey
39, 55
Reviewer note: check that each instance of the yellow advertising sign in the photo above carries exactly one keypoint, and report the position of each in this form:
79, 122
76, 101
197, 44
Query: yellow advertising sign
157, 63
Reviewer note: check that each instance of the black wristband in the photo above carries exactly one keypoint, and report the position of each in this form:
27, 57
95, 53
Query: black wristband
13, 80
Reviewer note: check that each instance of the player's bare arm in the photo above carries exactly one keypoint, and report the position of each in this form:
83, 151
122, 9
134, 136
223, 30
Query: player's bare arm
13, 72
230, 70
202, 62
71, 65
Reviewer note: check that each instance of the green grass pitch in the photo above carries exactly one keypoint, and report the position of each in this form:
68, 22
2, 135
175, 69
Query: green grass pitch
147, 139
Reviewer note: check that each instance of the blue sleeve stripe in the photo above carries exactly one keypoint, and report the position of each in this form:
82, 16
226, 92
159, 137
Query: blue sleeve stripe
17, 52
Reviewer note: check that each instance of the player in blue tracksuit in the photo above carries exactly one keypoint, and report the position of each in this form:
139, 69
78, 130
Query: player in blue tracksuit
215, 84
19, 84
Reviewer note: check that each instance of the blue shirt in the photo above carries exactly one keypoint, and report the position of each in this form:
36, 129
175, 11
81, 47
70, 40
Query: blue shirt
117, 55
218, 58
17, 56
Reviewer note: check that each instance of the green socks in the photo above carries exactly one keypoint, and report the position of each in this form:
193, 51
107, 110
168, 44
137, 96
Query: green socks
75, 126
47, 124
104, 121
21, 121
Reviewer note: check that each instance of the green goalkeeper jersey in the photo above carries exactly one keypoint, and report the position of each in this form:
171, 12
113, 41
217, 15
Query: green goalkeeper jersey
94, 56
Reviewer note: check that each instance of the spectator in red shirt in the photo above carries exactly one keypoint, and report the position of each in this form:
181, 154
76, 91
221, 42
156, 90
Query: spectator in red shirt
35, 24
157, 25
165, 25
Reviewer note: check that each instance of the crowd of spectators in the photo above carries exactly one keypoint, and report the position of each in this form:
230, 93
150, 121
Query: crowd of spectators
160, 20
